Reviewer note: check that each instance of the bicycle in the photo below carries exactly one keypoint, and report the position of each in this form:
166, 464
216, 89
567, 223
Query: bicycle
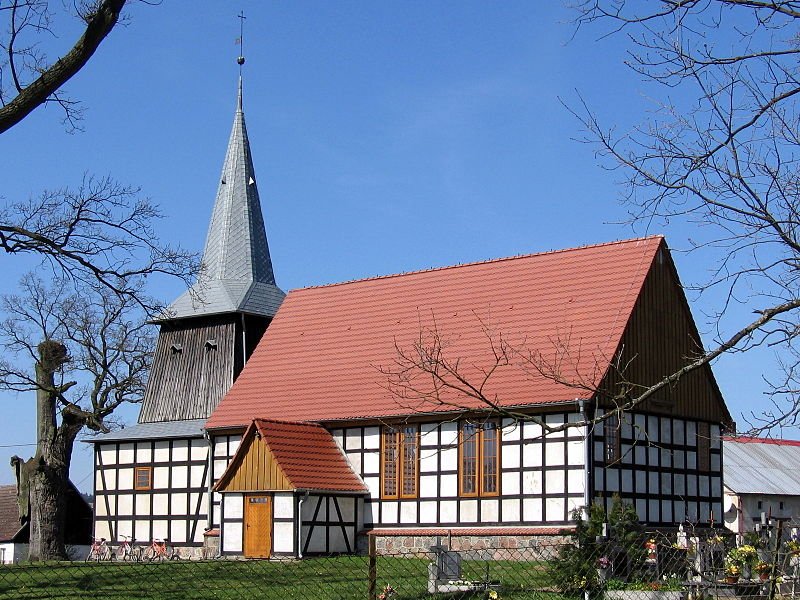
127, 550
100, 550
160, 550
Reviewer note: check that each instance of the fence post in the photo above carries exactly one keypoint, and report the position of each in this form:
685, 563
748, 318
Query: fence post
773, 577
373, 568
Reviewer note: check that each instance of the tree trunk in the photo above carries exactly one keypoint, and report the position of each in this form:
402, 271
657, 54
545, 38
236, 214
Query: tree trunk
47, 473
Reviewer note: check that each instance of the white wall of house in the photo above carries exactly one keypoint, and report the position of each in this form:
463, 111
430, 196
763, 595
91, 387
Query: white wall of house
11, 553
743, 511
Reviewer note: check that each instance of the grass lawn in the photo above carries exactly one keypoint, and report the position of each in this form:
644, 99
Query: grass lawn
329, 578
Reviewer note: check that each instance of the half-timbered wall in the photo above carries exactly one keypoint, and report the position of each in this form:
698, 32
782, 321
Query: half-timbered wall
225, 447
542, 477
175, 507
658, 471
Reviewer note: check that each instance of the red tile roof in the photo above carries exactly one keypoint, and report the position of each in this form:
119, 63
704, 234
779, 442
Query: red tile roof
9, 513
309, 456
320, 358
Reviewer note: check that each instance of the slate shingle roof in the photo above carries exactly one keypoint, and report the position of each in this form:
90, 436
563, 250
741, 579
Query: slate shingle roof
321, 357
9, 513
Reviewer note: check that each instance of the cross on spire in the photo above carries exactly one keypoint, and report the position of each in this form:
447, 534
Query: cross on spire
240, 60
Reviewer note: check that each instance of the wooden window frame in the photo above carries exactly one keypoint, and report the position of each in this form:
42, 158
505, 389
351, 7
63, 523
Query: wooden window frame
149, 471
480, 471
400, 434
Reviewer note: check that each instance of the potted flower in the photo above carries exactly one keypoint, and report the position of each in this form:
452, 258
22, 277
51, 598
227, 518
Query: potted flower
603, 563
732, 573
764, 570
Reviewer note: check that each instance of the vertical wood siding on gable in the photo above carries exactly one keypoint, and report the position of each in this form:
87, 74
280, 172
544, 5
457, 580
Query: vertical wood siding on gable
659, 337
257, 471
189, 376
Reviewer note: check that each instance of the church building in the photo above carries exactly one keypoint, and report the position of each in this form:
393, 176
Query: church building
476, 400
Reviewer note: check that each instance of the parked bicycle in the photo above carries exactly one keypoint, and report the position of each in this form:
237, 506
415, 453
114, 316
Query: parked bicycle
160, 550
100, 550
127, 550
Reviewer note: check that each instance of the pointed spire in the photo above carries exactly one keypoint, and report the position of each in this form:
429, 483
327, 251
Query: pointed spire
237, 269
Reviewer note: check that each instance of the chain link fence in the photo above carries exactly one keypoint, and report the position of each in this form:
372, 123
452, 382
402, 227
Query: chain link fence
601, 559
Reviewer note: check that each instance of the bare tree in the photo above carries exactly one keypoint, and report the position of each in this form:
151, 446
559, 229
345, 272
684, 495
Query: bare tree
27, 78
720, 151
84, 350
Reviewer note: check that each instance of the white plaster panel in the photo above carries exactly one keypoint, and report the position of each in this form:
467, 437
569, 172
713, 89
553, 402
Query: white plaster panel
371, 463
449, 434
428, 461
429, 434
641, 482
555, 421
532, 482
220, 447
144, 452
336, 539
100, 508
612, 480
160, 529
198, 535
490, 510
532, 454
511, 430
691, 434
627, 481
510, 457
177, 532
102, 530
449, 486
679, 484
160, 504
554, 482
653, 482
180, 477
640, 455
374, 485
125, 504
233, 444
198, 450
309, 507
574, 504
126, 454
691, 485
282, 506
389, 511
678, 436
160, 478
576, 481
316, 543
679, 459
180, 504
180, 450
532, 509
575, 453
203, 500
653, 428
627, 426
641, 509
142, 504
408, 512
652, 510
653, 454
510, 483
448, 511
108, 454
679, 510
554, 509
427, 512
666, 431
196, 476
372, 438
124, 528
469, 511
705, 512
355, 461
232, 537
352, 438
715, 436
691, 460
427, 486
161, 453
219, 468
704, 485
715, 466
666, 458
283, 537
449, 458
666, 510
666, 483
125, 481
338, 436
532, 431
716, 487
369, 514
510, 509
347, 506
110, 477
216, 517
233, 506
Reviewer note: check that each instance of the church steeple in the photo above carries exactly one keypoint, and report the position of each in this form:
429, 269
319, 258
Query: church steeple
237, 271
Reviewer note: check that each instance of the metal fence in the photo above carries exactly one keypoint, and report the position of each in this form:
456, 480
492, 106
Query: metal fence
597, 561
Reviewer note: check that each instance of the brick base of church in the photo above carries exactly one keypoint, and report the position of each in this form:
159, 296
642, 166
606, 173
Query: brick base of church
487, 543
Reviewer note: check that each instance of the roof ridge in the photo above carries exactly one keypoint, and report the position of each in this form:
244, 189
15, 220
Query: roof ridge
747, 439
288, 422
478, 262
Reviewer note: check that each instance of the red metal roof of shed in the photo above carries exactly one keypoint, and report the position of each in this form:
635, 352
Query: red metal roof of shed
320, 359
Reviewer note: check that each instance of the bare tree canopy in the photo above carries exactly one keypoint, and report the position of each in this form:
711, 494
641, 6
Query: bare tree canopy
27, 78
720, 152
84, 350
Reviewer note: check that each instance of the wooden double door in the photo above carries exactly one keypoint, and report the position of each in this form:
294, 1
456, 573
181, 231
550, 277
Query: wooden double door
257, 525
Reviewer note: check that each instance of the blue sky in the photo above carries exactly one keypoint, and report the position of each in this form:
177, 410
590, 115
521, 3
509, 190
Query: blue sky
387, 137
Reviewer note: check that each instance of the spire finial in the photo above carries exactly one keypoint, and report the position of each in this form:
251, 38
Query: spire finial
240, 41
